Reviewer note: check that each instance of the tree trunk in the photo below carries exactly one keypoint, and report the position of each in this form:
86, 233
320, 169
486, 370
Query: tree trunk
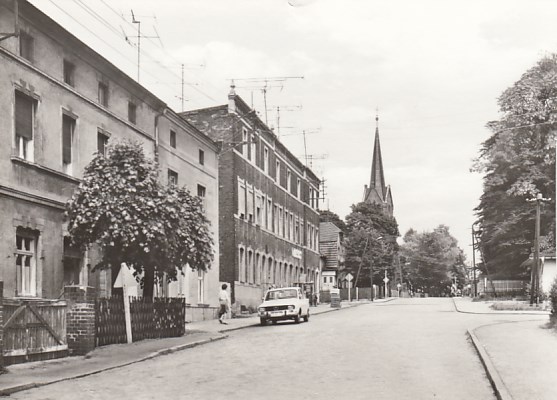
148, 282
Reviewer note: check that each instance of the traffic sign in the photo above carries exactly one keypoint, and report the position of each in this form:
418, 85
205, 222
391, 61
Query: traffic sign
349, 277
386, 280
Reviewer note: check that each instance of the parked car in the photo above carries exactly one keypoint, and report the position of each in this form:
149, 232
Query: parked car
283, 304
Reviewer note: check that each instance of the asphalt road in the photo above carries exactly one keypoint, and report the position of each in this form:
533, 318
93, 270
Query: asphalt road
408, 349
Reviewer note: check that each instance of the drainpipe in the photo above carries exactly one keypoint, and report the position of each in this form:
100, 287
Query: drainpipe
160, 114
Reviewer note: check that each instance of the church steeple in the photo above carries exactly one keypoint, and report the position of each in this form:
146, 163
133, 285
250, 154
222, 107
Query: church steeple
377, 176
378, 192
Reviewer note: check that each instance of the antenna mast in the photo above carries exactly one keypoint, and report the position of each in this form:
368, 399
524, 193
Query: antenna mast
264, 84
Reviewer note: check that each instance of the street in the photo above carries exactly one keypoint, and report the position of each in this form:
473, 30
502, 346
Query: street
404, 349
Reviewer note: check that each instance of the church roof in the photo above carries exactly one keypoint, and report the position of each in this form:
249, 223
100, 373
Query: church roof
378, 192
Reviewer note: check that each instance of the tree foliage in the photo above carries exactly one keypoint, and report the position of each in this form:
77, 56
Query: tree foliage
518, 162
432, 260
329, 216
370, 241
121, 206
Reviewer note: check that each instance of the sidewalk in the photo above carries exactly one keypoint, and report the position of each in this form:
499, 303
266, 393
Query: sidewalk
29, 375
519, 356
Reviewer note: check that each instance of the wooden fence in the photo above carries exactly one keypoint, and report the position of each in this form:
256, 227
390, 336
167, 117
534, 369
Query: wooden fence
34, 330
159, 318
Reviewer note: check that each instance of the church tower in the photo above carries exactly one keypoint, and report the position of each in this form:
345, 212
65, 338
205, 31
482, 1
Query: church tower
378, 192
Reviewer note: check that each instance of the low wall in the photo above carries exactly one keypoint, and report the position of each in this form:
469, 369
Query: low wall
200, 313
247, 297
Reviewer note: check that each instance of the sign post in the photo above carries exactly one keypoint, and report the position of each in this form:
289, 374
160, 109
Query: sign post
349, 278
386, 280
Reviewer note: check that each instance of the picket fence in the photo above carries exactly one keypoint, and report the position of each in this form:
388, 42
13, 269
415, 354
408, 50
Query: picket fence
150, 319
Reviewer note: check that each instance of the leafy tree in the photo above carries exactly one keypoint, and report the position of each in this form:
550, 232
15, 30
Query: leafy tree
432, 260
370, 241
154, 229
329, 216
518, 162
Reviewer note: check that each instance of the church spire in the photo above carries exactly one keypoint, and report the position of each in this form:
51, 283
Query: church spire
377, 181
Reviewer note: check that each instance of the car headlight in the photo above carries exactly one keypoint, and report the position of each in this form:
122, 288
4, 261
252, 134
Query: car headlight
261, 309
291, 308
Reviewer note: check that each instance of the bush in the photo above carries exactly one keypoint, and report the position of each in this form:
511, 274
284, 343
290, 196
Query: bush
553, 298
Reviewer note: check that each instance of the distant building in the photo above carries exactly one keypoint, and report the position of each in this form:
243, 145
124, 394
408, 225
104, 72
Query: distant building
61, 102
378, 192
333, 252
269, 220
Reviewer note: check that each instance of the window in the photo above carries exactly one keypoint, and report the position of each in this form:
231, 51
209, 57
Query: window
102, 143
103, 94
242, 266
287, 225
266, 160
72, 263
249, 268
201, 157
173, 139
253, 146
132, 112
258, 209
288, 180
276, 219
245, 142
172, 177
298, 188
281, 222
200, 287
69, 70
269, 214
241, 200
201, 191
26, 262
68, 129
24, 124
26, 45
277, 172
291, 227
250, 204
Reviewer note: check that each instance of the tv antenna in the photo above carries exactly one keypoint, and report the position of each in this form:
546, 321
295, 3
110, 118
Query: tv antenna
284, 108
264, 84
139, 36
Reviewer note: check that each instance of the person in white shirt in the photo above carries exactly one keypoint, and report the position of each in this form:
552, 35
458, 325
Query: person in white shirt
224, 302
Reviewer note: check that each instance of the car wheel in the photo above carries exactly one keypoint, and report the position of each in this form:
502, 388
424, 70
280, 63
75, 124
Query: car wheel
307, 316
297, 317
274, 322
263, 321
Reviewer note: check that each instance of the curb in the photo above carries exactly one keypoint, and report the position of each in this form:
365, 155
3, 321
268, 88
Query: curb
540, 313
10, 390
497, 383
257, 324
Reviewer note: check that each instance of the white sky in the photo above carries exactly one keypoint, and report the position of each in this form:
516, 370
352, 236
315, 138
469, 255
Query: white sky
433, 68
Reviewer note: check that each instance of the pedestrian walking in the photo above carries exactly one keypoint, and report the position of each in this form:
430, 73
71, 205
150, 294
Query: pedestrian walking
224, 302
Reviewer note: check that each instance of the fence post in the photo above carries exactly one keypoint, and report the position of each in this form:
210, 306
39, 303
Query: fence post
1, 325
80, 319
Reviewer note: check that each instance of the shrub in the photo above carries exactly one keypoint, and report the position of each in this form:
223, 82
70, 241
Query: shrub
553, 298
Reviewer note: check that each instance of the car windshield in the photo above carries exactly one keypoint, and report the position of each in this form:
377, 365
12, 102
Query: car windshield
281, 294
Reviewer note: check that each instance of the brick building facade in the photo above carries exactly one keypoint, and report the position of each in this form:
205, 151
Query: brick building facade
268, 204
61, 102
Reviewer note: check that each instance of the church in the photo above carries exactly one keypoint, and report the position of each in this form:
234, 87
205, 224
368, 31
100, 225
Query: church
378, 192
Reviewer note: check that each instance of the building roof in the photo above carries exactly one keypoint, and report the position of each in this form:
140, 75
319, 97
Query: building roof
328, 232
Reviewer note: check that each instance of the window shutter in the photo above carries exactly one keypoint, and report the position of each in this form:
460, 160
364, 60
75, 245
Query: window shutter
67, 124
23, 116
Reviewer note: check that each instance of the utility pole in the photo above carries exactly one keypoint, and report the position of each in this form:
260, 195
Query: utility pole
474, 264
535, 284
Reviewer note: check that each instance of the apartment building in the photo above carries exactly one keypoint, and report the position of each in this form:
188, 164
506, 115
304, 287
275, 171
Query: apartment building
60, 103
268, 204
